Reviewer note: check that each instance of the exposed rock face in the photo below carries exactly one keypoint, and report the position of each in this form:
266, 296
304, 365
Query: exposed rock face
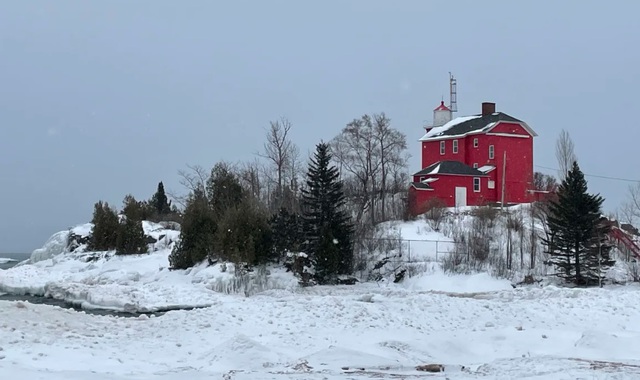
75, 241
430, 368
170, 225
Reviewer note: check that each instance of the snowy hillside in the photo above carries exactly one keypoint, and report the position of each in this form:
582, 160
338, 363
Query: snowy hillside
64, 270
421, 255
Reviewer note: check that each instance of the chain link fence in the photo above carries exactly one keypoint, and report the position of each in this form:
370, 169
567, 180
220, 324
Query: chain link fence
386, 256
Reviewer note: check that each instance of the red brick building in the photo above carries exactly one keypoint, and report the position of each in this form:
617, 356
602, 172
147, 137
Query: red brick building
467, 160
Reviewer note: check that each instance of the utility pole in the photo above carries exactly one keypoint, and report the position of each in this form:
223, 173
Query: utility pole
504, 170
599, 260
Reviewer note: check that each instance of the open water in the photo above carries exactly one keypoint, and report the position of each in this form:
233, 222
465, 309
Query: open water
18, 257
15, 256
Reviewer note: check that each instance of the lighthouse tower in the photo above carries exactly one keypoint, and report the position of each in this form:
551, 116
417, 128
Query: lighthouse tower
441, 115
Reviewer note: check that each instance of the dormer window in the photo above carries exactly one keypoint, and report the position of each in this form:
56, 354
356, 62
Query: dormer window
442, 147
455, 146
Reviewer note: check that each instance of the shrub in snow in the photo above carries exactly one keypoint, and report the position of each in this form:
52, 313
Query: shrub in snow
196, 235
105, 228
300, 264
131, 238
486, 215
435, 212
378, 252
244, 235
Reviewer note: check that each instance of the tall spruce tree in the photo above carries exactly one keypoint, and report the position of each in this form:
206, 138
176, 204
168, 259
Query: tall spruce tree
327, 227
577, 240
159, 202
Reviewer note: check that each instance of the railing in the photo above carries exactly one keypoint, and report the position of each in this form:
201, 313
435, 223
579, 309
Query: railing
624, 238
408, 250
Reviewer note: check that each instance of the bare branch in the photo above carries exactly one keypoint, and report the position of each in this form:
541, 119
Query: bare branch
193, 178
280, 151
565, 153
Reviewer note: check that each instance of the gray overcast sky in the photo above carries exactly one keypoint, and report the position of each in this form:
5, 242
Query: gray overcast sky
103, 98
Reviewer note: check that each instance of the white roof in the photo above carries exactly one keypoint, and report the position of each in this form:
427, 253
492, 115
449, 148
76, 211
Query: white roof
486, 168
437, 130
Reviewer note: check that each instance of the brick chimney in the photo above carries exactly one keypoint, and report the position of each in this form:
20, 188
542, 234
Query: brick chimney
488, 108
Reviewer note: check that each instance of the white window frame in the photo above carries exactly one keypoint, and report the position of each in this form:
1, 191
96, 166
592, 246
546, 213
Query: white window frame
442, 147
492, 152
475, 165
475, 142
455, 146
476, 181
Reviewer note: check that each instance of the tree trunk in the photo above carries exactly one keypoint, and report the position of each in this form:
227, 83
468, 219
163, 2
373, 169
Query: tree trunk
577, 257
383, 182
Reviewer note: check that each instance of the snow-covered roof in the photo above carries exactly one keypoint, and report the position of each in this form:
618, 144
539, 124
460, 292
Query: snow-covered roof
440, 130
486, 168
451, 168
429, 180
421, 186
462, 126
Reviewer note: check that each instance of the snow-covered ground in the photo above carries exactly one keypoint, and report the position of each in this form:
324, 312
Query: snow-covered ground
129, 283
266, 327
347, 332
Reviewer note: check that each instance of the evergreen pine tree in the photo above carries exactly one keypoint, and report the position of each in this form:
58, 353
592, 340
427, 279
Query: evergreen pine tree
159, 202
327, 227
244, 234
130, 237
577, 243
224, 189
105, 228
287, 232
196, 235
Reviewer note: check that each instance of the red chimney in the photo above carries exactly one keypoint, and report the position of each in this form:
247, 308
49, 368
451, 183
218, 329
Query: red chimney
488, 108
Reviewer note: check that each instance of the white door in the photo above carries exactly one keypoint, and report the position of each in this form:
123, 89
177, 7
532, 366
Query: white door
461, 196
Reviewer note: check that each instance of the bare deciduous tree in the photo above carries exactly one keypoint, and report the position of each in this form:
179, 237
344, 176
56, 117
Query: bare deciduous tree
193, 178
249, 174
630, 209
544, 182
356, 152
565, 153
281, 153
373, 153
391, 144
